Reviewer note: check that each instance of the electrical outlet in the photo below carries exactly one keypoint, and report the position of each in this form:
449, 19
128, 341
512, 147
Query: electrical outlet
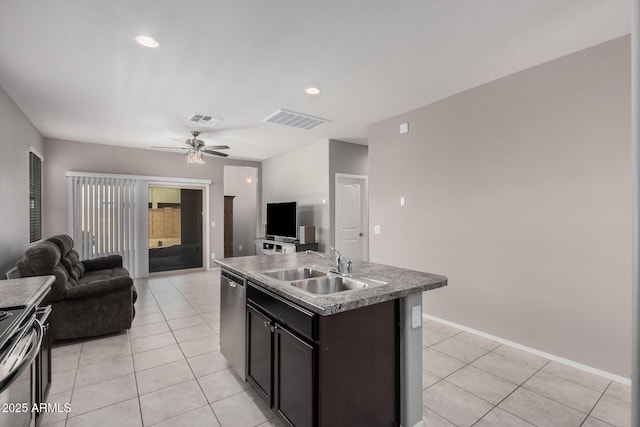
376, 229
404, 127
213, 223
239, 247
403, 201
213, 255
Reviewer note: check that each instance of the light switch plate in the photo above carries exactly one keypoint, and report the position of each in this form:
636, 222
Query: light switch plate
404, 127
376, 229
416, 316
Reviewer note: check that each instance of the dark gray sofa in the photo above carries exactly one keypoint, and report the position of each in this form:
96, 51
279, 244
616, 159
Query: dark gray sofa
88, 298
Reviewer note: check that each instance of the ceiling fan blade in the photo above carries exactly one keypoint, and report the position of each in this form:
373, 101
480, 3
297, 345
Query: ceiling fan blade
216, 147
169, 148
214, 153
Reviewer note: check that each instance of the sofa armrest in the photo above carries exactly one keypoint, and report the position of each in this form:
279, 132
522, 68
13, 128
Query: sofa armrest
99, 287
102, 263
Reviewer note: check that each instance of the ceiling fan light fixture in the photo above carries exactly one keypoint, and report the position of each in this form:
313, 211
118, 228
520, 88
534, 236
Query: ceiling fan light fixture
195, 158
147, 41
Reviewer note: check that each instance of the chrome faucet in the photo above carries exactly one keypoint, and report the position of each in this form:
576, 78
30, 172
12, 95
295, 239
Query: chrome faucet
338, 267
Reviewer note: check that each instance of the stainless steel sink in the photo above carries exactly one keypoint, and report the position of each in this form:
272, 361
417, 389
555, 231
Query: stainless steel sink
333, 284
295, 274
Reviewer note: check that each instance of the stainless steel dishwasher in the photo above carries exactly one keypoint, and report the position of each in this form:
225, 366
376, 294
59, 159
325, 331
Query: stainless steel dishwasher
233, 306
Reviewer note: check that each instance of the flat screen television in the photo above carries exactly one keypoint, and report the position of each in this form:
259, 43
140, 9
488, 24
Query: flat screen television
282, 220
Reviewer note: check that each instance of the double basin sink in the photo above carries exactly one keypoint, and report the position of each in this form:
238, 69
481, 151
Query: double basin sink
316, 282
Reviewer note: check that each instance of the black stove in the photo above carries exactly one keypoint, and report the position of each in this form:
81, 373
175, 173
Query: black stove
5, 314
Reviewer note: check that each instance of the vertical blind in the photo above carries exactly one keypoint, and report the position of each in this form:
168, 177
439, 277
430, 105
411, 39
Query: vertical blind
102, 210
35, 197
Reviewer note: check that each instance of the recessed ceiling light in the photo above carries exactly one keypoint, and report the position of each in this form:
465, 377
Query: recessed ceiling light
312, 91
147, 41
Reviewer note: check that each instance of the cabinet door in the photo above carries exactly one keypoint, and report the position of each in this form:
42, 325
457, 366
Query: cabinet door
260, 352
295, 378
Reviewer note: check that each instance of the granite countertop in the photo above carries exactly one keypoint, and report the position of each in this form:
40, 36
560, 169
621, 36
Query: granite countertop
401, 282
26, 291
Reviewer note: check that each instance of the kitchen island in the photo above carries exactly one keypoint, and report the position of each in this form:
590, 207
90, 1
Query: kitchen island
351, 357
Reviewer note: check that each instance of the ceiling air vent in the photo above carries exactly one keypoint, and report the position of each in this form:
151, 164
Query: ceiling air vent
295, 120
203, 119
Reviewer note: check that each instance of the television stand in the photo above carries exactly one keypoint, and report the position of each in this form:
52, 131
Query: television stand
273, 247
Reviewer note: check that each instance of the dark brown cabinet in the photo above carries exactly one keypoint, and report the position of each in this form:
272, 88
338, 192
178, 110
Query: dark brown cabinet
260, 352
295, 366
337, 370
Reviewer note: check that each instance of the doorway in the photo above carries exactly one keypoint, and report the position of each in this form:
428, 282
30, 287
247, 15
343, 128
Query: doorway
175, 229
352, 216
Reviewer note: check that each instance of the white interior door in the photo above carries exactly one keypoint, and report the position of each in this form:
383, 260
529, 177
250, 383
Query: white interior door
352, 216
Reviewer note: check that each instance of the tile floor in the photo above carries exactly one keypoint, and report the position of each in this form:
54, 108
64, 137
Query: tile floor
167, 370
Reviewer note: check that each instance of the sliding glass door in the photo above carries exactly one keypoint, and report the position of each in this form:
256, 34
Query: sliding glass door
175, 229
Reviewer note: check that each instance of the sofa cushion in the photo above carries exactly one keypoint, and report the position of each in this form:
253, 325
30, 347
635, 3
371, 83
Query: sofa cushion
68, 256
39, 260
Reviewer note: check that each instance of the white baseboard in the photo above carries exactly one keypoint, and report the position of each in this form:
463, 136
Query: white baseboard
549, 356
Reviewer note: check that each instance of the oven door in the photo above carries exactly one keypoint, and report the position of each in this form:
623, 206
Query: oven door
17, 386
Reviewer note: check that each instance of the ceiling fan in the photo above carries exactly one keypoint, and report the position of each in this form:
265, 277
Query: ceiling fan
195, 148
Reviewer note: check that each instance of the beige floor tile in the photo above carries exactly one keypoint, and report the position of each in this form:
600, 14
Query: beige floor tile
185, 322
123, 414
456, 405
439, 363
65, 360
222, 384
61, 423
541, 411
482, 384
181, 312
563, 391
430, 337
193, 332
207, 308
613, 411
594, 422
151, 342
477, 340
447, 330
431, 419
197, 417
508, 369
59, 400
104, 353
150, 309
594, 382
103, 371
518, 355
245, 409
160, 356
170, 402
208, 363
499, 418
148, 329
619, 391
163, 376
429, 379
200, 346
62, 380
149, 318
175, 305
459, 349
100, 395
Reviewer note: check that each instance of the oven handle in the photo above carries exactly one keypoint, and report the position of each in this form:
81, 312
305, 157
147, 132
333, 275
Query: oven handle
27, 360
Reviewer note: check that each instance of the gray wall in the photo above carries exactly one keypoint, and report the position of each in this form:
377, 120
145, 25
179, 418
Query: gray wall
345, 158
245, 207
301, 176
62, 156
519, 192
17, 135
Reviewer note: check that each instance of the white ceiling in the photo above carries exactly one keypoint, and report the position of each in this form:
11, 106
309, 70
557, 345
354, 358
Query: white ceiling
74, 68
